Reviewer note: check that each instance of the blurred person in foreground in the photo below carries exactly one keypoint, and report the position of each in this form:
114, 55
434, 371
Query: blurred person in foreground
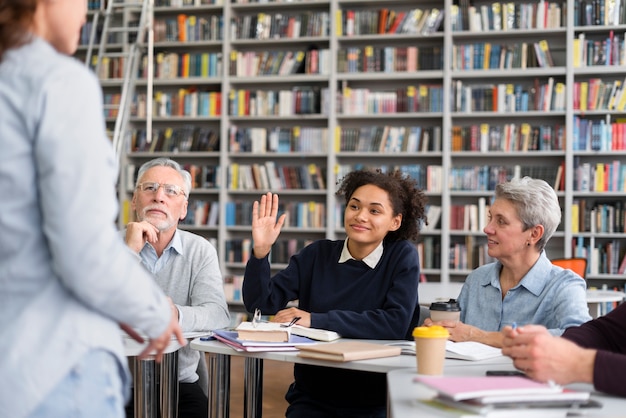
522, 286
67, 281
594, 352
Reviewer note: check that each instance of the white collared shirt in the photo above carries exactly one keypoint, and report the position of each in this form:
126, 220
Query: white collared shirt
371, 259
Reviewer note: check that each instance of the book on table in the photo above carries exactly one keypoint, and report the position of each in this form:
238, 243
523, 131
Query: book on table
505, 396
263, 331
465, 350
231, 339
348, 351
276, 331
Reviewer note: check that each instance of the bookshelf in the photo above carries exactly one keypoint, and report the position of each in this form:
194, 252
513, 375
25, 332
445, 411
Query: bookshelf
287, 96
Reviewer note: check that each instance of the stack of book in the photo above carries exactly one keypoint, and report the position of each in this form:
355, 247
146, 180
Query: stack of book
502, 396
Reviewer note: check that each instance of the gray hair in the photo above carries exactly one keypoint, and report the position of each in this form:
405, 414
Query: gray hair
166, 162
536, 203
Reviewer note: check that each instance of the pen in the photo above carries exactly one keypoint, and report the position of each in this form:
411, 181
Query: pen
514, 325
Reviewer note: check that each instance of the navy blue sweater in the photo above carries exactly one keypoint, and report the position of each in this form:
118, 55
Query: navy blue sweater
349, 298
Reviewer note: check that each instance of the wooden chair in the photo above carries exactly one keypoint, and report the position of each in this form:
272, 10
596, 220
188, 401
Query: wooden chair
577, 264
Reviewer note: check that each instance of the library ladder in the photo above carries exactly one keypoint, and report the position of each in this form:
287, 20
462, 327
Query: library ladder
128, 23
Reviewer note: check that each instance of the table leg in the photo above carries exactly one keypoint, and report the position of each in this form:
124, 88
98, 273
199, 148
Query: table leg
145, 388
169, 385
219, 385
253, 387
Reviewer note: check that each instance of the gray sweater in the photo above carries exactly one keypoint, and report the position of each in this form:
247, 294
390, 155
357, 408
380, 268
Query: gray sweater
192, 278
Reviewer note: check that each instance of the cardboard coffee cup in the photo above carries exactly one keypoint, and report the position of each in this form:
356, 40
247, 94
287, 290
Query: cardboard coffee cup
430, 349
449, 310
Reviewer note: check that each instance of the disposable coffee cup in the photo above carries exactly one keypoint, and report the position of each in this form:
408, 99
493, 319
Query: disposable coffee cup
430, 349
449, 310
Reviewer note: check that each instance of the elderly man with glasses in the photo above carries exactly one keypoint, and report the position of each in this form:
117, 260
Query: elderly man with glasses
185, 266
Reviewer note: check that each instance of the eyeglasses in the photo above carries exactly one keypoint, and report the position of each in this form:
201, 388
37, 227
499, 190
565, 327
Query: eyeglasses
170, 190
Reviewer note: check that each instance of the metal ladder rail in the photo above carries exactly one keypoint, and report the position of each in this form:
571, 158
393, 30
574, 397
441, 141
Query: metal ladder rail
92, 34
130, 74
108, 29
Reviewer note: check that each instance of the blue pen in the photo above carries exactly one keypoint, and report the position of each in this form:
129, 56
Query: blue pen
514, 325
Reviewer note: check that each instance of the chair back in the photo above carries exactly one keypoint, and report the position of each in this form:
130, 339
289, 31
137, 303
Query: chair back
577, 264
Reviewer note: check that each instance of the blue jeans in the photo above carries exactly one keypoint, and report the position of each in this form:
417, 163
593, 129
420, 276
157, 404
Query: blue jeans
93, 388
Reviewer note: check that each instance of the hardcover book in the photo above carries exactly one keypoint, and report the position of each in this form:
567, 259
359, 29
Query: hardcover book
348, 351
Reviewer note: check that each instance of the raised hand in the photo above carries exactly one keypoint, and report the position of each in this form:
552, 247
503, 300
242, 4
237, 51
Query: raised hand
265, 226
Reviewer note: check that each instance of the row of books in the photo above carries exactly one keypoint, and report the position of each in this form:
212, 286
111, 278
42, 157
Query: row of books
469, 217
364, 101
299, 100
599, 12
258, 63
487, 137
598, 216
271, 176
489, 56
389, 59
598, 134
486, 177
280, 25
428, 177
504, 16
599, 94
202, 213
189, 28
354, 22
176, 139
602, 258
599, 177
280, 140
594, 52
187, 102
171, 65
180, 3
467, 255
548, 96
309, 214
389, 139
202, 176
429, 251
282, 250
111, 102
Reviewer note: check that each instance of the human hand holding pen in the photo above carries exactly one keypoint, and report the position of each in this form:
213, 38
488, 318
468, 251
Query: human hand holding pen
287, 315
265, 226
546, 358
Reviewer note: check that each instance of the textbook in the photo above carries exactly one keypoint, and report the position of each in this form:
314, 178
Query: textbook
230, 338
263, 331
487, 388
348, 351
465, 350
315, 333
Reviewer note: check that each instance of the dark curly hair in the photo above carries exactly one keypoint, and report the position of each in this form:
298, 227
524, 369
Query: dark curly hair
16, 16
406, 198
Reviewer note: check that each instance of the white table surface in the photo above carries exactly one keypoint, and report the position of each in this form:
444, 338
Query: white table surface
403, 393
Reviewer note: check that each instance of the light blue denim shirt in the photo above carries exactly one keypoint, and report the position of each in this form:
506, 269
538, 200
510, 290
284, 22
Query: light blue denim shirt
66, 278
548, 295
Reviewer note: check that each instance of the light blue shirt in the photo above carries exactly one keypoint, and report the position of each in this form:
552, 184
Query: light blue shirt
188, 272
67, 279
548, 295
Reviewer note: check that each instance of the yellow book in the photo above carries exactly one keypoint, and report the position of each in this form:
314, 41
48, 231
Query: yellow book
241, 102
204, 65
575, 217
486, 56
584, 95
599, 177
337, 138
339, 23
576, 53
